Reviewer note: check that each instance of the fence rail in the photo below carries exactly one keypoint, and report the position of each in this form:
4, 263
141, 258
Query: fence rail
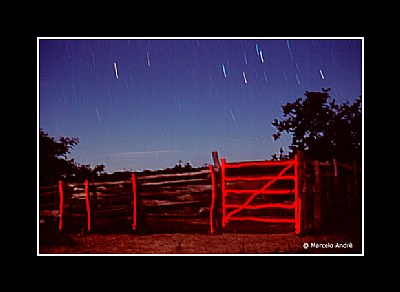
261, 191
332, 194
308, 195
168, 200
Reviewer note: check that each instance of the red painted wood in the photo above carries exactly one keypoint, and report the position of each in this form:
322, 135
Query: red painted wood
213, 190
61, 208
87, 204
134, 190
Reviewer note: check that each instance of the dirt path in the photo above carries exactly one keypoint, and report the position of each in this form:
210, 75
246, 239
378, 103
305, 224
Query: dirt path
203, 244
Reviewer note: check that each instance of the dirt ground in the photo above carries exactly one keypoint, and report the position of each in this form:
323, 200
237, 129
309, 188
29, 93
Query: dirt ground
202, 244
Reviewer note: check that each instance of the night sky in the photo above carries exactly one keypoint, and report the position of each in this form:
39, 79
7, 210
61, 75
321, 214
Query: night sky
140, 104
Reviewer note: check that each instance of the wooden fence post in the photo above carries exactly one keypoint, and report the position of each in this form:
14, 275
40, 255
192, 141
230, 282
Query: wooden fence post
61, 208
298, 206
335, 175
317, 197
357, 195
302, 191
87, 203
217, 185
356, 178
134, 189
222, 188
306, 222
213, 192
337, 198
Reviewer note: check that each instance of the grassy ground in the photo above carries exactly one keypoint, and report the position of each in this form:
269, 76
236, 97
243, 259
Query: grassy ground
201, 244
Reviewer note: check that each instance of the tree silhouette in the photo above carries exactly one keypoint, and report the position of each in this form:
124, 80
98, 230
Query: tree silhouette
53, 162
322, 129
274, 157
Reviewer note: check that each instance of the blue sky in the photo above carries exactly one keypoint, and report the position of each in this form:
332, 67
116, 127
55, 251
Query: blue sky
144, 103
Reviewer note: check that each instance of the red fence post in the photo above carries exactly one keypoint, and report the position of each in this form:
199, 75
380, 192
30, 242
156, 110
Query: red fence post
297, 197
87, 204
223, 163
265, 189
134, 190
61, 208
213, 191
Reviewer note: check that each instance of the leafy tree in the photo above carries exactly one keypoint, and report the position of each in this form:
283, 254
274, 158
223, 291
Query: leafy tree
180, 168
188, 167
53, 162
322, 129
82, 172
281, 155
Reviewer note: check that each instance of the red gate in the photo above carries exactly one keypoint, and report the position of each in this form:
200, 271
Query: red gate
262, 191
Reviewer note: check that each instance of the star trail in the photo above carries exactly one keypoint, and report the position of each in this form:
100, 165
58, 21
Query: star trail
147, 103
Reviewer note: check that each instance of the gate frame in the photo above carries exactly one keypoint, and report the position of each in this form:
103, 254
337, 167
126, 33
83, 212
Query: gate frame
226, 216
